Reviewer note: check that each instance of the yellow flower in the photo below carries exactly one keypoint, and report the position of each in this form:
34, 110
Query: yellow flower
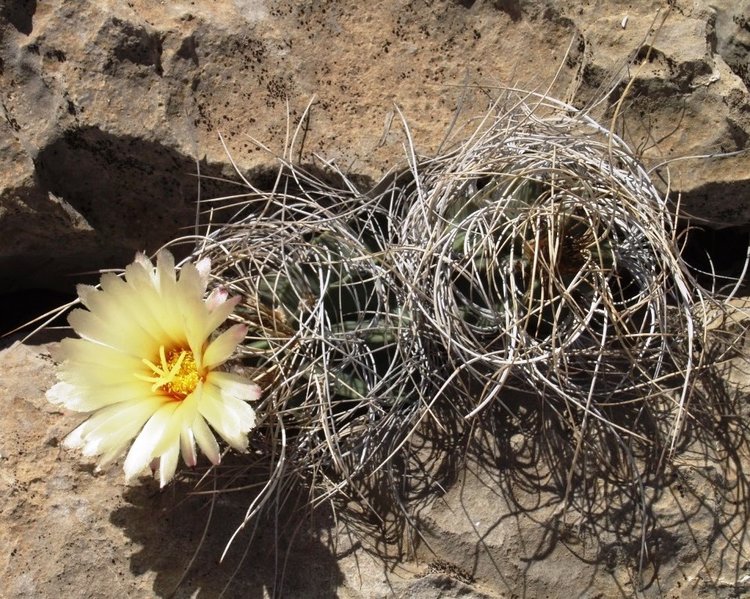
146, 369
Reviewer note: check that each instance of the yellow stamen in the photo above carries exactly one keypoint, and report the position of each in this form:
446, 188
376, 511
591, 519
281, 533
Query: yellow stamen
177, 375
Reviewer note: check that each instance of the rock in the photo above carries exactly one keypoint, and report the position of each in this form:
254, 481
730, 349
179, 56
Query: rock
111, 108
685, 103
70, 530
67, 528
494, 527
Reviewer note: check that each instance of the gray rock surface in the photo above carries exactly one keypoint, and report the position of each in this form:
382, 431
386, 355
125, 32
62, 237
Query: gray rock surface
110, 108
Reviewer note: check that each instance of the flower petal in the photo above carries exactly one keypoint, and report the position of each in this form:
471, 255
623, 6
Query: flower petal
137, 319
220, 312
142, 305
194, 318
216, 298
203, 266
142, 297
234, 385
187, 447
143, 261
84, 352
111, 429
206, 440
231, 418
61, 393
110, 308
142, 451
190, 282
223, 346
166, 276
114, 335
168, 465
185, 411
76, 394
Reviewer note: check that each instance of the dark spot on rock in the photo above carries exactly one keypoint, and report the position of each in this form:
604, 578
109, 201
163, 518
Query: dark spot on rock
20, 13
10, 119
649, 54
738, 135
134, 44
57, 55
278, 88
510, 7
188, 50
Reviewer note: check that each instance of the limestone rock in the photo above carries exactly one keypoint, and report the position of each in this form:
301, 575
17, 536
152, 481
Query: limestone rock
68, 530
685, 106
110, 108
496, 529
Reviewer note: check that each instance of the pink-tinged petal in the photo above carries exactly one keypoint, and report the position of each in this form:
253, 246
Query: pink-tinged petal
168, 465
221, 348
216, 298
206, 440
203, 266
142, 451
234, 385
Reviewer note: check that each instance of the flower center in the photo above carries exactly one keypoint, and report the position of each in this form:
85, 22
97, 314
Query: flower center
177, 375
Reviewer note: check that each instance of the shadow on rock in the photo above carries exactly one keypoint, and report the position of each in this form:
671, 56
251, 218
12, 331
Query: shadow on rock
512, 501
182, 538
